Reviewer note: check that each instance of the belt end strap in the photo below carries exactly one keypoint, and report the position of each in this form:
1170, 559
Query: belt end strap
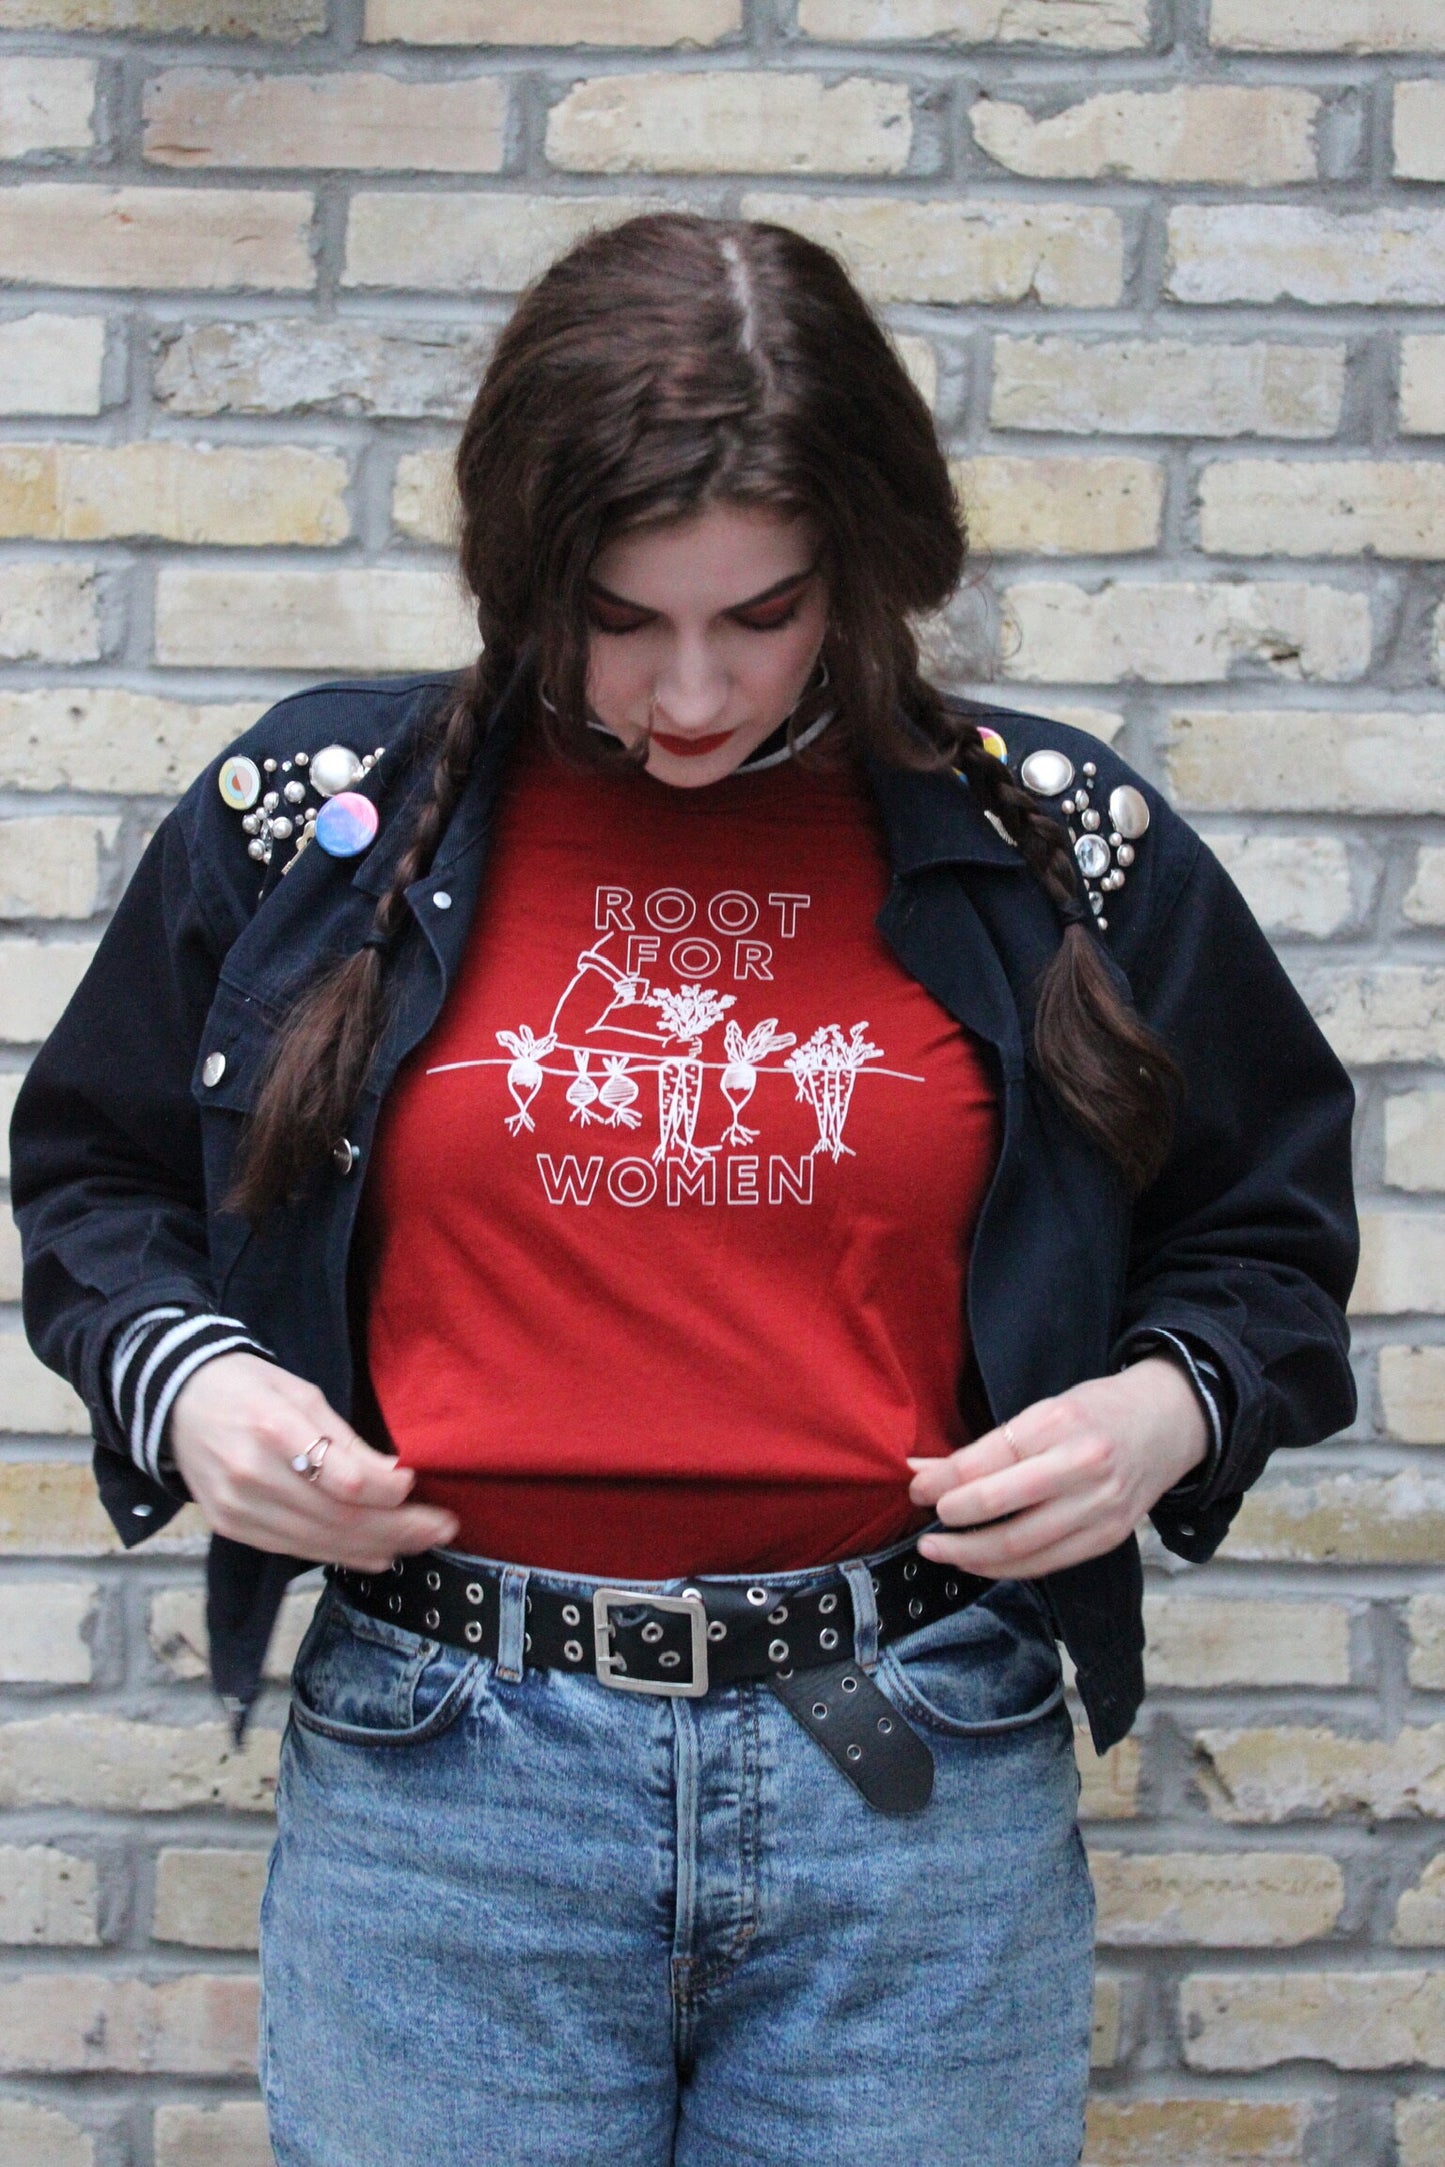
862, 1733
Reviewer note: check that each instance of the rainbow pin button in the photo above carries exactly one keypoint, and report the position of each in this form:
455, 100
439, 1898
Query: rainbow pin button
992, 742
346, 824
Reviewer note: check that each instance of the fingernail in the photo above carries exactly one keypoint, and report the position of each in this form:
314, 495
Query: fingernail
928, 1549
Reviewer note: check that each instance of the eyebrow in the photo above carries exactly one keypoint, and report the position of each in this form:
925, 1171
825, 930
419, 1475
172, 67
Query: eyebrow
780, 586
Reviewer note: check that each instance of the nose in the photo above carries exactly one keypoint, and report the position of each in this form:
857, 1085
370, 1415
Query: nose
691, 693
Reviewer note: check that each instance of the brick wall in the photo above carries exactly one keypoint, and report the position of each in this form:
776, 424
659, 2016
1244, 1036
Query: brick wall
1173, 273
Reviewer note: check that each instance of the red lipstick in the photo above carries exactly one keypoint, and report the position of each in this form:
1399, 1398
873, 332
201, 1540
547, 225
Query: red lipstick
687, 747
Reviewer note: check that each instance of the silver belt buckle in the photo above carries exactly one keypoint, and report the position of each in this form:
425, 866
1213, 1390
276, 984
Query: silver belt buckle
610, 1667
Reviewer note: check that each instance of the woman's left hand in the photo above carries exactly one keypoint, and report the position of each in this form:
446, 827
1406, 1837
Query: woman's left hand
1067, 1478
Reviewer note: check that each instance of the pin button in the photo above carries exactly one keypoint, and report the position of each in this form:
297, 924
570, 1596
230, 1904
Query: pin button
345, 1156
213, 1069
441, 900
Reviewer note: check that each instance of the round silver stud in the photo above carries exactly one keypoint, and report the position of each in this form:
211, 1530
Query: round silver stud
1129, 811
433, 1619
294, 793
777, 1651
717, 1630
855, 1753
473, 1630
950, 1589
1067, 807
271, 800
827, 1638
1081, 799
1047, 773
915, 1608
757, 1597
433, 1580
693, 1595
571, 1615
1092, 853
474, 1591
572, 1649
820, 1709
910, 1570
652, 1634
393, 1603
885, 1724
213, 1069
334, 769
827, 1604
1125, 853
344, 1156
441, 900
1089, 820
269, 766
850, 1685
778, 1616
281, 828
669, 1659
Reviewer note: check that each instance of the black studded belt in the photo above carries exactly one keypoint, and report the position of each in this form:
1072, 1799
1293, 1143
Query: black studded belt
799, 1640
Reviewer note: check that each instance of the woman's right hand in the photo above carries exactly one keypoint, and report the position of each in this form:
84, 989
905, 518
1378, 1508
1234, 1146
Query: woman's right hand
235, 1426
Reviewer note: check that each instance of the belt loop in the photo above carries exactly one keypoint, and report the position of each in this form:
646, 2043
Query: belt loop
512, 1624
865, 1613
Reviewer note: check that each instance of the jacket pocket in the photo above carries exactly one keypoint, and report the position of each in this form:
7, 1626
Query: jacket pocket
990, 1668
364, 1682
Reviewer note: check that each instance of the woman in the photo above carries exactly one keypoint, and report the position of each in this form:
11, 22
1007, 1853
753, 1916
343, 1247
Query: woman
714, 1186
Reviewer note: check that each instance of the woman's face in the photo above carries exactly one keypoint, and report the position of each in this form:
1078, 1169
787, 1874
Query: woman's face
702, 635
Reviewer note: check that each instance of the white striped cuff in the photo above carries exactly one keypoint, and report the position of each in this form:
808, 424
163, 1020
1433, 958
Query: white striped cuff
150, 1359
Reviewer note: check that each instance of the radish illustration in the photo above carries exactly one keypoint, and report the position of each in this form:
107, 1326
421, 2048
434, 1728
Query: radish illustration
582, 1091
524, 1077
740, 1078
619, 1093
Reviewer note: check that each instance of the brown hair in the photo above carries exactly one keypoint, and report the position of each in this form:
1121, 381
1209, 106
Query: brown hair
668, 363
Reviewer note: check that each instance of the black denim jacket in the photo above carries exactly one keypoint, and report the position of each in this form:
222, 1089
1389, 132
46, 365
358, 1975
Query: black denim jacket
1246, 1244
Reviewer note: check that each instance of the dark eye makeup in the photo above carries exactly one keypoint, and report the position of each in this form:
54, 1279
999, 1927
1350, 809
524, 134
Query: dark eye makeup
607, 614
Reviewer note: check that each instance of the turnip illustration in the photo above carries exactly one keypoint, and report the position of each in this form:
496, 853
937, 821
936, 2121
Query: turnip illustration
524, 1077
582, 1091
740, 1078
824, 1070
688, 1013
619, 1093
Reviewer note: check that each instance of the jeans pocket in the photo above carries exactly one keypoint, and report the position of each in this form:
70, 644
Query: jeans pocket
991, 1668
366, 1682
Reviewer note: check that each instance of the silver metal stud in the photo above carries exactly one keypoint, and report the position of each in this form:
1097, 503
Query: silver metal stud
1046, 773
827, 1604
777, 1651
441, 900
885, 1724
820, 1709
652, 1633
433, 1619
1125, 853
393, 1603
855, 1753
1092, 854
778, 1616
850, 1685
433, 1580
475, 1591
213, 1069
572, 1649
757, 1597
717, 1630
827, 1638
473, 1630
1129, 811
1089, 820
915, 1608
910, 1570
669, 1659
571, 1615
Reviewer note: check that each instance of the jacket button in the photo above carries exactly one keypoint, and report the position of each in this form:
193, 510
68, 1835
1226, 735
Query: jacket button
441, 900
213, 1069
345, 1156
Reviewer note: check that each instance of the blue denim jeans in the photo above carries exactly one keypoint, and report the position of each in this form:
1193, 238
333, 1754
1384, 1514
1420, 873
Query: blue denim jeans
532, 1920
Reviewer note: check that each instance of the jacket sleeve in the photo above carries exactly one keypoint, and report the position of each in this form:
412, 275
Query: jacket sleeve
107, 1178
1246, 1244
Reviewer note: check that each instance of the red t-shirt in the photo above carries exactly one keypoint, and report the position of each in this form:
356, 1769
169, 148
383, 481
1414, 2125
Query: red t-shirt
670, 1213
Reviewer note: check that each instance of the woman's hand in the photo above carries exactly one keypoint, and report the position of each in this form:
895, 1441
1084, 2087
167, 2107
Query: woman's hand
235, 1427
1075, 1474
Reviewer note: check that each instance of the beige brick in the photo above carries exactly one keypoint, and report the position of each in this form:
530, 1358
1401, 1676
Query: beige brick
920, 359
231, 2135
1194, 132
1104, 723
1420, 1912
51, 364
424, 504
1295, 252
552, 22
10, 1082
49, 1508
33, 1400
1424, 899
284, 364
1061, 505
32, 2136
1422, 386
1283, 1774
1354, 2020
364, 618
1323, 508
79, 233
176, 492
1110, 1780
104, 738
37, 978
1100, 26
1195, 2132
1327, 26
212, 117
56, 2023
731, 121
178, 1631
1108, 2022
1426, 1617
10, 1259
1294, 884
1202, 1641
1402, 1264
1419, 130
1412, 1393
1420, 2130
1057, 254
46, 104
48, 613
47, 1897
208, 1899
1184, 631
468, 243
1343, 1519
1305, 760
112, 1764
50, 864
1259, 1900
42, 1631
1394, 1012
1167, 387
283, 21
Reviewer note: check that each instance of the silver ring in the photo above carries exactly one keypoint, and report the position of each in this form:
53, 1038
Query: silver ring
304, 1463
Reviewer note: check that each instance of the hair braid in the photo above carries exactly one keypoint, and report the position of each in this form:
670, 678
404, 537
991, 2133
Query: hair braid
321, 1058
